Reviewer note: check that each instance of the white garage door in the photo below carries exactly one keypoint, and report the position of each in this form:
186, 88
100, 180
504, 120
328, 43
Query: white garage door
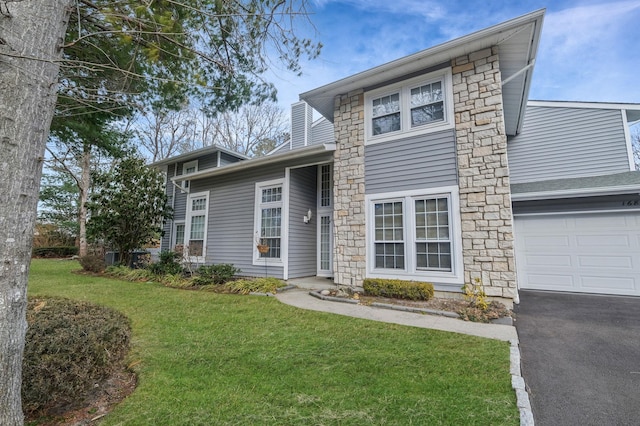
588, 253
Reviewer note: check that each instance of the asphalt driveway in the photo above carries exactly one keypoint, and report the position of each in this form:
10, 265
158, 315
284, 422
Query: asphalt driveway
580, 357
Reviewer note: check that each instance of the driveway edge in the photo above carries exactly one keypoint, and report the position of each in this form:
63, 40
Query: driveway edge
518, 385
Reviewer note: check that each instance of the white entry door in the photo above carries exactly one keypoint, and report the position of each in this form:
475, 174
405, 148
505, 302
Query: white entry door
588, 253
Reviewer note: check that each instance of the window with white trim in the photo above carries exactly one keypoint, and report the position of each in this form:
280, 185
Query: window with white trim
178, 234
417, 105
415, 233
269, 207
389, 235
433, 236
196, 226
188, 168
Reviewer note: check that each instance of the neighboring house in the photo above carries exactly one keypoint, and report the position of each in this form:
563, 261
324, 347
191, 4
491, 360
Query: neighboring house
405, 175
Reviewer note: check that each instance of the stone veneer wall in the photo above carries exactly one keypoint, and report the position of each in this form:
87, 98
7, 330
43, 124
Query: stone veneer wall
485, 197
348, 183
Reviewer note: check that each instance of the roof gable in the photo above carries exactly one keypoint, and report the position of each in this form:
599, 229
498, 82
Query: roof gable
516, 39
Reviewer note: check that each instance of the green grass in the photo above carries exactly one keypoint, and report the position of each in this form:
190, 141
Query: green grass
213, 359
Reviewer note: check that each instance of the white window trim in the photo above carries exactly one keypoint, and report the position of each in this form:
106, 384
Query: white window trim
185, 183
187, 227
174, 241
284, 225
456, 276
404, 89
324, 211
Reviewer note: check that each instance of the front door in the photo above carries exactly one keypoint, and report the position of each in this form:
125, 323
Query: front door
325, 217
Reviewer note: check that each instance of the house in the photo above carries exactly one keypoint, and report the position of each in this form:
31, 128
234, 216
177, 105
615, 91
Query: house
433, 167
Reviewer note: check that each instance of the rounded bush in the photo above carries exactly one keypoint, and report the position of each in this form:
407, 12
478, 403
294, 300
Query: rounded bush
398, 289
92, 263
70, 347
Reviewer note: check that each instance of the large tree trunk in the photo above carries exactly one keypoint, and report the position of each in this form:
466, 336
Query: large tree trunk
84, 184
31, 33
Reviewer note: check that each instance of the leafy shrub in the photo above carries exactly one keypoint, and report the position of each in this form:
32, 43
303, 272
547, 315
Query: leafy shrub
215, 274
257, 285
92, 263
70, 346
169, 264
128, 274
492, 311
52, 252
475, 295
398, 289
176, 281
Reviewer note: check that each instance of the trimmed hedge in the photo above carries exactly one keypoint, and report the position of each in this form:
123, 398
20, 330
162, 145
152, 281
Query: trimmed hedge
52, 252
70, 347
398, 289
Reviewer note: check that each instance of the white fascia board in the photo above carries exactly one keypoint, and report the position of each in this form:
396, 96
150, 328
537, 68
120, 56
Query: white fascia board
197, 153
576, 193
273, 159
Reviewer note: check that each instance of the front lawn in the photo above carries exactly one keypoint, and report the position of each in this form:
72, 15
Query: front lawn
215, 359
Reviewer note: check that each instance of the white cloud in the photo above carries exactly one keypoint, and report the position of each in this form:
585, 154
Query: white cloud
586, 53
586, 27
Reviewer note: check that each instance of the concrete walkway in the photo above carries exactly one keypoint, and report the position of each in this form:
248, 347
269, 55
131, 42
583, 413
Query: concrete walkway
300, 297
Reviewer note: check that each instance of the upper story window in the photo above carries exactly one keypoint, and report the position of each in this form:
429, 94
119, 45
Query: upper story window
427, 104
417, 105
188, 168
385, 112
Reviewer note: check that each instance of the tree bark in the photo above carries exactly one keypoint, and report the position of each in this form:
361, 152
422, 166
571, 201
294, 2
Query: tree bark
31, 33
84, 184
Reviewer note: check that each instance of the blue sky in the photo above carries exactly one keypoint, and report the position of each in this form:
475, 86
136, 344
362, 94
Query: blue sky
589, 50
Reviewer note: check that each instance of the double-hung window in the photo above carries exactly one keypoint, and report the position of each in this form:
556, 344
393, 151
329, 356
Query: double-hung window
188, 168
415, 234
196, 226
414, 106
268, 227
178, 234
389, 235
433, 234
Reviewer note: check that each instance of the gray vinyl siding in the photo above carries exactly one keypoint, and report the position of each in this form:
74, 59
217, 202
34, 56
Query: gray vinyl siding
165, 241
608, 203
302, 236
205, 162
301, 116
230, 234
227, 159
322, 132
418, 162
208, 161
560, 142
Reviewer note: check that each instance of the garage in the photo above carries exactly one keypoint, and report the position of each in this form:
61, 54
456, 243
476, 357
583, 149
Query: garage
579, 252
